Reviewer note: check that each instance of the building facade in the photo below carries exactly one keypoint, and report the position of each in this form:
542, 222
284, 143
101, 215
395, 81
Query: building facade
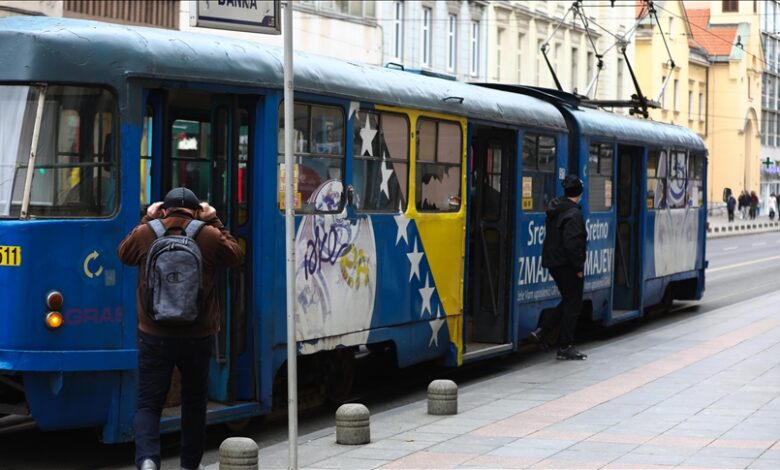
714, 87
518, 30
769, 11
441, 37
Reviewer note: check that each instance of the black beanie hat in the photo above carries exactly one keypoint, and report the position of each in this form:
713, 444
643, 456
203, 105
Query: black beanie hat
572, 186
181, 197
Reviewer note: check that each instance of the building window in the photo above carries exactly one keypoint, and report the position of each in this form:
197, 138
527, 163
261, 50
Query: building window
520, 58
398, 31
452, 42
499, 40
663, 95
426, 36
671, 24
620, 79
590, 65
360, 9
676, 95
160, 14
690, 105
701, 107
730, 5
474, 48
575, 73
539, 43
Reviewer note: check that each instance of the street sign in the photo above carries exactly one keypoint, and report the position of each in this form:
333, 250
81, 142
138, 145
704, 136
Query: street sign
254, 16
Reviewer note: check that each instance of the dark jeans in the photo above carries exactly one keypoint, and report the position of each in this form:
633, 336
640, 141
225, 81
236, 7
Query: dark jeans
731, 215
156, 358
565, 314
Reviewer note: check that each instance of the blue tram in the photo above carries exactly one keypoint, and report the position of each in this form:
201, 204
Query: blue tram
419, 212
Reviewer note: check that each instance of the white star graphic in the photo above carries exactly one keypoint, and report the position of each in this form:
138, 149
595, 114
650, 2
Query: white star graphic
426, 293
367, 135
401, 221
415, 257
386, 174
435, 327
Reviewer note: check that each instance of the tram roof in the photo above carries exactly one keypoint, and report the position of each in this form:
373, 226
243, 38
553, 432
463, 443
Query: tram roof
634, 130
82, 51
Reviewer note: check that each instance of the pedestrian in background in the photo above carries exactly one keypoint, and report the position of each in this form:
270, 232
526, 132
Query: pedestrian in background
772, 206
753, 205
188, 347
744, 204
730, 205
563, 254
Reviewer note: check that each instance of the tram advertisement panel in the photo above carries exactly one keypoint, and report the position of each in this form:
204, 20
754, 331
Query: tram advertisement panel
534, 281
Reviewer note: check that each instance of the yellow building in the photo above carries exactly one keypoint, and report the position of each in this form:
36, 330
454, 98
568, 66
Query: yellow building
714, 87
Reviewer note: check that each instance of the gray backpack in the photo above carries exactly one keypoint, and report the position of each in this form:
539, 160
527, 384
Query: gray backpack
174, 276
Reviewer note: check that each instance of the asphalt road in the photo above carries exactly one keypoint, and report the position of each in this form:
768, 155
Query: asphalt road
740, 267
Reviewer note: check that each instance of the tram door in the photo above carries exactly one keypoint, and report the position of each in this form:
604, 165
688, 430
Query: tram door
490, 235
203, 144
626, 271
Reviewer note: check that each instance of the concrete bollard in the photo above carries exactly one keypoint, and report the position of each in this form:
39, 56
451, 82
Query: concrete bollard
442, 398
352, 424
238, 453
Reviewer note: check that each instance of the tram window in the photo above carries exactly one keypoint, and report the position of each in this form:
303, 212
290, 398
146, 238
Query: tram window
191, 156
656, 179
242, 188
76, 161
600, 177
146, 160
380, 166
439, 152
695, 180
538, 171
319, 158
676, 188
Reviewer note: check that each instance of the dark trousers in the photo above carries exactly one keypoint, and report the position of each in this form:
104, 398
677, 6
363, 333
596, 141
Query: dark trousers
156, 358
565, 314
731, 215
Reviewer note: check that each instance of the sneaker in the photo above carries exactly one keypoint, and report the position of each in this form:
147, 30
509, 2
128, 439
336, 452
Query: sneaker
570, 353
148, 464
538, 336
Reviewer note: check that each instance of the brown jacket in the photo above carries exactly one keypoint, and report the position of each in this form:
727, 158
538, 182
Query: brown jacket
217, 247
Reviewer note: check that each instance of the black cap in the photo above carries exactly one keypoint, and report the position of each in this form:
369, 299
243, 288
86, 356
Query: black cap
181, 197
572, 186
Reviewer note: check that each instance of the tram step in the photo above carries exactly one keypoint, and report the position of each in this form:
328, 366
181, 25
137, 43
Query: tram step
476, 351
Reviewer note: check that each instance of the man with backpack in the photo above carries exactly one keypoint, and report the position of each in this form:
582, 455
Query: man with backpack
178, 246
563, 254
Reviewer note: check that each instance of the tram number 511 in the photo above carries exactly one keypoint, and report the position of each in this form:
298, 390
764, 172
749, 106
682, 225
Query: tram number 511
10, 255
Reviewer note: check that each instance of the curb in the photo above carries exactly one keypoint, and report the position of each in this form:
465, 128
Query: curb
741, 227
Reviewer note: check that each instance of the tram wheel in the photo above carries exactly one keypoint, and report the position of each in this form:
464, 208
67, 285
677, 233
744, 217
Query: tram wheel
339, 374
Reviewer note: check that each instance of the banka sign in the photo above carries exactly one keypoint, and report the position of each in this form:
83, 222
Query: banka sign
254, 16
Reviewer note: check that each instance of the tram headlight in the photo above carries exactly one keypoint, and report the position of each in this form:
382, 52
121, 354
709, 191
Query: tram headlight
54, 300
54, 320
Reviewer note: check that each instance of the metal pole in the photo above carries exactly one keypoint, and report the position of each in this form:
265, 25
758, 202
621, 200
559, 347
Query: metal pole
289, 234
33, 151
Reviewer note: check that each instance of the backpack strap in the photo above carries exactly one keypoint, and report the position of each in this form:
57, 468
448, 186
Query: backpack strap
193, 228
157, 227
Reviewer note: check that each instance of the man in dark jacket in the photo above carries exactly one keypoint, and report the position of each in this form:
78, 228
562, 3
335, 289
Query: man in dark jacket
160, 348
563, 254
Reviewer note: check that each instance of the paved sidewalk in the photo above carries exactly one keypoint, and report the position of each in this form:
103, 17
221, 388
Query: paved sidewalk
702, 392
